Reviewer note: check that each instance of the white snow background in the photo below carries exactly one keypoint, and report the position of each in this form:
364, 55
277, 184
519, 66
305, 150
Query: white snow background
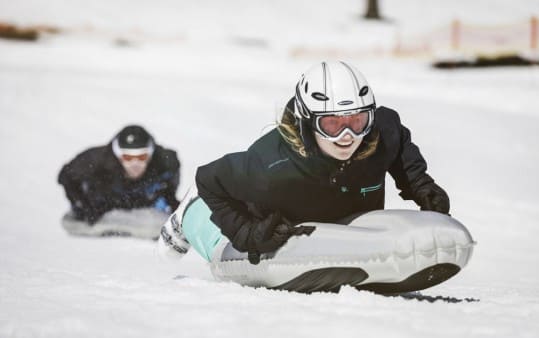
206, 78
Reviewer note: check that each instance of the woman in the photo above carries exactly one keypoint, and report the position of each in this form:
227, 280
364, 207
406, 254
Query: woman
326, 161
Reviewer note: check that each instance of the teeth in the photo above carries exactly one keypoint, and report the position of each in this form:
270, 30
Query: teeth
344, 144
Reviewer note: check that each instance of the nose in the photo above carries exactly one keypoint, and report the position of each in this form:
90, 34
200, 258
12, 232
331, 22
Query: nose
347, 137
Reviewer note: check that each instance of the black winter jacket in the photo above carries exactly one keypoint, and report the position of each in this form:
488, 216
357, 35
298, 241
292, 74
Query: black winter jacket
95, 182
242, 188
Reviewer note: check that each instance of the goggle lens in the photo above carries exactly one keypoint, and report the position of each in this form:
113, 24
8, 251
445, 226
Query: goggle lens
141, 157
333, 125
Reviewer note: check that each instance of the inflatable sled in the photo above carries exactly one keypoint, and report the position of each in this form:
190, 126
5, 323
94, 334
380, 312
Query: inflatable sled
384, 251
140, 223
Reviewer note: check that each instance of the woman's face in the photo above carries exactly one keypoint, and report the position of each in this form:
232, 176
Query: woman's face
342, 149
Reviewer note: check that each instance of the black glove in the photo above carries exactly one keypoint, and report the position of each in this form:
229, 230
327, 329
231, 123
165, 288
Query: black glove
270, 234
89, 213
92, 216
431, 196
92, 208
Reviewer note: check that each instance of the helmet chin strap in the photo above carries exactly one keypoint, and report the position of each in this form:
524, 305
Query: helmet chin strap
307, 136
304, 125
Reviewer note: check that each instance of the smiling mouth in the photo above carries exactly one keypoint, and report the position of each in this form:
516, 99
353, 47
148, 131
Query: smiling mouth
344, 146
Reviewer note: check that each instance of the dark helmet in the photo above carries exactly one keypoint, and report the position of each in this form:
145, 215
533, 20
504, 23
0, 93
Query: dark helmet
133, 140
134, 137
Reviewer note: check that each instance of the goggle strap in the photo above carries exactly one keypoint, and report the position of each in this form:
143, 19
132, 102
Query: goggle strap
119, 151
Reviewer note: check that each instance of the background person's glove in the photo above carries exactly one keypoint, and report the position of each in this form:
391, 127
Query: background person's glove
431, 196
87, 213
270, 234
93, 212
161, 205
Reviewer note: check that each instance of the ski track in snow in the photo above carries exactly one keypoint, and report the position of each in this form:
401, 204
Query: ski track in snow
206, 96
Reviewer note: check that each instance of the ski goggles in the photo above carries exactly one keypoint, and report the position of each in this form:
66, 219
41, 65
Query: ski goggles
141, 157
333, 127
127, 155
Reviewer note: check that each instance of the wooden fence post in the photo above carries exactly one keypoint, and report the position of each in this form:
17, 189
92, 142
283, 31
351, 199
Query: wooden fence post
455, 34
533, 32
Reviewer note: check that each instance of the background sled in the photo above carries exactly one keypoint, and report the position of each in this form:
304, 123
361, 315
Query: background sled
141, 223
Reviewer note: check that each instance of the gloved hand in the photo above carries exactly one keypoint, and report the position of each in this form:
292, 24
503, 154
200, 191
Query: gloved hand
270, 234
161, 205
86, 213
431, 196
94, 208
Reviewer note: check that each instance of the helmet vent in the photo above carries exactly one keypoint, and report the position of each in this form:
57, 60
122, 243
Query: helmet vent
345, 103
319, 96
306, 87
364, 91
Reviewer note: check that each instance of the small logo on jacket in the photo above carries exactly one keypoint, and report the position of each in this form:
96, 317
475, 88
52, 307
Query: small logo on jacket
365, 190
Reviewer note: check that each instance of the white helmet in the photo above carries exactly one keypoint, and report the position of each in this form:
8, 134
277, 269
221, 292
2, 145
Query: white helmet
333, 88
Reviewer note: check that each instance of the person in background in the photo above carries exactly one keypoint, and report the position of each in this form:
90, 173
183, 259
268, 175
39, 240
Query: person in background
130, 172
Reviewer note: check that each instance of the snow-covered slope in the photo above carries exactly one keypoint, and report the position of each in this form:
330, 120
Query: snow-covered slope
208, 77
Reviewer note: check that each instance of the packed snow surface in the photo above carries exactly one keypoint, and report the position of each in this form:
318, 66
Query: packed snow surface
209, 77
